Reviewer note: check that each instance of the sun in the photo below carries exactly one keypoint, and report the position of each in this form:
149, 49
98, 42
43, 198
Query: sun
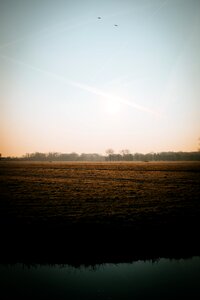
112, 107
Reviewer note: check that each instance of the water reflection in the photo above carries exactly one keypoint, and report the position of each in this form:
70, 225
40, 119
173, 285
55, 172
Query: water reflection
163, 279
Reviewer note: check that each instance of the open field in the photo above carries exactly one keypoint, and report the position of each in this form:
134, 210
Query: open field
156, 201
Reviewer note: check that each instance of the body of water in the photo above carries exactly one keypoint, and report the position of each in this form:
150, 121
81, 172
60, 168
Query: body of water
162, 279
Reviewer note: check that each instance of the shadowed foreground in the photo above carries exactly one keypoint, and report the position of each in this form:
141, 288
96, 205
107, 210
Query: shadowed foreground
98, 212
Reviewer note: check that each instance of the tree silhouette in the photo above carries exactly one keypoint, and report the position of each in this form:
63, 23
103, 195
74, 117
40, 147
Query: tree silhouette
110, 153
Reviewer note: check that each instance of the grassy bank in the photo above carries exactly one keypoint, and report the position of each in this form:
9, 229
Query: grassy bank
81, 212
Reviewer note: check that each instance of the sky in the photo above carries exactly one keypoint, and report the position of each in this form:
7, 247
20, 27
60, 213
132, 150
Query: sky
87, 75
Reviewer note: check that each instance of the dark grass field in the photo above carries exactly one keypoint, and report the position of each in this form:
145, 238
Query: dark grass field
98, 212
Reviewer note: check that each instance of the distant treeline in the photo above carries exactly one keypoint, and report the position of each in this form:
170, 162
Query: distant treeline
111, 156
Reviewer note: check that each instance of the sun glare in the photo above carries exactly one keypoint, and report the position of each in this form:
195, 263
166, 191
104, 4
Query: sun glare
112, 107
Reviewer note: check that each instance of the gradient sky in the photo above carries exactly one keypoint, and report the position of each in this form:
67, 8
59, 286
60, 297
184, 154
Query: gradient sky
70, 81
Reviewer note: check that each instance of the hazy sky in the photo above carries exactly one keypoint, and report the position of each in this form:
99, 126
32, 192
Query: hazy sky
70, 81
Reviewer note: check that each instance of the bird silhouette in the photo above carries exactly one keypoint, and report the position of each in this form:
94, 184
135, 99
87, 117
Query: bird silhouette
115, 25
99, 18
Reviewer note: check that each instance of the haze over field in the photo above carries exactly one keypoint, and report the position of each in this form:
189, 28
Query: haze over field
71, 80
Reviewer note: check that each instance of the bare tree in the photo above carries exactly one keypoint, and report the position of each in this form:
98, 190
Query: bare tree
110, 153
125, 154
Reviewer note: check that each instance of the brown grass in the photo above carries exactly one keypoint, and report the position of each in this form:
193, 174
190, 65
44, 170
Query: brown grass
98, 212
99, 193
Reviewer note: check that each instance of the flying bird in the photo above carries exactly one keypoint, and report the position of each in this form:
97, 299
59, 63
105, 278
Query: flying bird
99, 18
115, 25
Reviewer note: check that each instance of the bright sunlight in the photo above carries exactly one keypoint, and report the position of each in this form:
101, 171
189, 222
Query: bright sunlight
112, 106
